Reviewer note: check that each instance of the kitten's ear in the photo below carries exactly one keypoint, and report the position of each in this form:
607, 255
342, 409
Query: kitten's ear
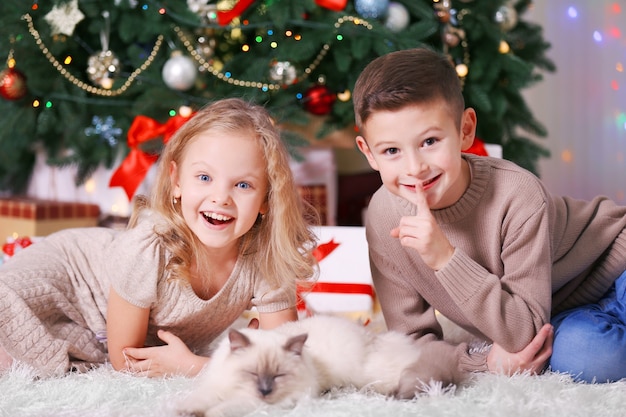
238, 340
295, 344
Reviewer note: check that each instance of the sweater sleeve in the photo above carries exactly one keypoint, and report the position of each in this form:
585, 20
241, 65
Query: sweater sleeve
135, 261
406, 311
508, 307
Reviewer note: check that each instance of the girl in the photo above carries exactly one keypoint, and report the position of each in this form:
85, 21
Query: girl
224, 231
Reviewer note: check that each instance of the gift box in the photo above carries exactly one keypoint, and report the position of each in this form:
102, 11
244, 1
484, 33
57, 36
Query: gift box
34, 217
345, 284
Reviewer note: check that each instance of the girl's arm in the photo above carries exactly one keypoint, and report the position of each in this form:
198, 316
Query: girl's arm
127, 326
271, 320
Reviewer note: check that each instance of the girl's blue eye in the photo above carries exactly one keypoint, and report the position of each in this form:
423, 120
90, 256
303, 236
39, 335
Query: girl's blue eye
204, 177
392, 151
243, 185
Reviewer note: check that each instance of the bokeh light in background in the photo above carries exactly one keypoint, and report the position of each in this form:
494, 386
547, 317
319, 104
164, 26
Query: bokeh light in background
583, 104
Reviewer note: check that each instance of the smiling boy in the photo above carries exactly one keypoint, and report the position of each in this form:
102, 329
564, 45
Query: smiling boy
480, 239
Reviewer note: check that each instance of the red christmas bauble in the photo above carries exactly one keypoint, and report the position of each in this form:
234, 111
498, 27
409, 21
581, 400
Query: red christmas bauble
12, 84
319, 100
335, 5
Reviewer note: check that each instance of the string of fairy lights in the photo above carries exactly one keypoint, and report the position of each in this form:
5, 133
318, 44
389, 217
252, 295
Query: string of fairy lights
206, 64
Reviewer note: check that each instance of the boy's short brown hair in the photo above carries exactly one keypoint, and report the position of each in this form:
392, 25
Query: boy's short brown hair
402, 78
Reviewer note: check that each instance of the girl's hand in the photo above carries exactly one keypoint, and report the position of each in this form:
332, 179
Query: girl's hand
533, 358
174, 358
422, 233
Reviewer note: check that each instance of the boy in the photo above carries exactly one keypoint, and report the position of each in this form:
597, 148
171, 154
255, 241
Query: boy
480, 239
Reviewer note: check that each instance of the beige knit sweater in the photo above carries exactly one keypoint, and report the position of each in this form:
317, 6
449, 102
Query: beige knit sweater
520, 255
54, 296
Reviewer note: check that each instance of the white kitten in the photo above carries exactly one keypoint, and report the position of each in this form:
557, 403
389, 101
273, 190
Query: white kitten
251, 368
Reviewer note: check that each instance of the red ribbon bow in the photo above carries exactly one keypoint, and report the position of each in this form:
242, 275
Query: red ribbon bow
135, 166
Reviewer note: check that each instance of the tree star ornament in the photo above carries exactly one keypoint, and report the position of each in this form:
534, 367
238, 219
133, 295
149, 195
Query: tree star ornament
64, 18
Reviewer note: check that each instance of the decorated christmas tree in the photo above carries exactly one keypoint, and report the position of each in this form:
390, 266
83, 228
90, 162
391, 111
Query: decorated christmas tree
90, 81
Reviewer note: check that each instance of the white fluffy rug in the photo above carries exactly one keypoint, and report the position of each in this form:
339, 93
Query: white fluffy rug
106, 393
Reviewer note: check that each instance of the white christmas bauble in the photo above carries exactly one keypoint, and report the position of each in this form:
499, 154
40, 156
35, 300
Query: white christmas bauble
179, 72
371, 8
398, 17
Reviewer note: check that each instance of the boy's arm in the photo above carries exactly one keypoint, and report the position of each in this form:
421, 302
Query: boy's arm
407, 312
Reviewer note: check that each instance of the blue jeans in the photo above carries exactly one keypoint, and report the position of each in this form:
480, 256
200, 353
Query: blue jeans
590, 341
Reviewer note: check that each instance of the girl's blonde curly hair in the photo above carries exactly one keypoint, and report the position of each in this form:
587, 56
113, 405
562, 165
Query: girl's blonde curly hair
279, 246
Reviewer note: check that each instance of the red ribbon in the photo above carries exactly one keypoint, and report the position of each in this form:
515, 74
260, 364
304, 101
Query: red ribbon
135, 166
227, 16
478, 148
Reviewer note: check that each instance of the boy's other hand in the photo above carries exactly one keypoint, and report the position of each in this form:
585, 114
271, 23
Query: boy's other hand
533, 358
422, 233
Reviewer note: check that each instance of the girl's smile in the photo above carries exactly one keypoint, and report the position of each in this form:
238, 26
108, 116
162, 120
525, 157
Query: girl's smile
222, 185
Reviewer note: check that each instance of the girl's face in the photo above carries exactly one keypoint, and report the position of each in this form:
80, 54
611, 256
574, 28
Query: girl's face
420, 146
222, 185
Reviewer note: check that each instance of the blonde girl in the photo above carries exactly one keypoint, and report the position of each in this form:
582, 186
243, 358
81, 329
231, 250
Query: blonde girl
223, 231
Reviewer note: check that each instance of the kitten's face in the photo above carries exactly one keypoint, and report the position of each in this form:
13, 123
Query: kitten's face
270, 367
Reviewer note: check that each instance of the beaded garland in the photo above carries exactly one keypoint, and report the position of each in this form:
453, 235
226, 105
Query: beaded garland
81, 84
192, 51
260, 85
204, 63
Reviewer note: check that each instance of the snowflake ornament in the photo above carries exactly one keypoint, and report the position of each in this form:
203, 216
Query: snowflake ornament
105, 129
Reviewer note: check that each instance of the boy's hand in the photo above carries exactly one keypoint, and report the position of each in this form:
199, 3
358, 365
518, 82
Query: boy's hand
422, 233
174, 358
532, 358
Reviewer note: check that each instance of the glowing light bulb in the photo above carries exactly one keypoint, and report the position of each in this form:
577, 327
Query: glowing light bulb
90, 186
567, 156
597, 36
504, 47
185, 111
572, 12
462, 70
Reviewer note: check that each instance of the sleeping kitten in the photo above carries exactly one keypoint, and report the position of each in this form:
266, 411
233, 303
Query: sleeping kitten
251, 368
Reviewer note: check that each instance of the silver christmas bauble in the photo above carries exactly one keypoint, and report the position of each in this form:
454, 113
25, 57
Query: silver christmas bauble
282, 72
371, 8
179, 72
398, 17
506, 17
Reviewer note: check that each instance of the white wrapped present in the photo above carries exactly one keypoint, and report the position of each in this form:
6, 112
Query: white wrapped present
345, 281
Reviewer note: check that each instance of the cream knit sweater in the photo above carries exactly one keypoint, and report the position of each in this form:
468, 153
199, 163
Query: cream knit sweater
54, 296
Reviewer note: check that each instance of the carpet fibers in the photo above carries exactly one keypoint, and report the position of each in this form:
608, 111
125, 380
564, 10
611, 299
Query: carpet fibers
106, 393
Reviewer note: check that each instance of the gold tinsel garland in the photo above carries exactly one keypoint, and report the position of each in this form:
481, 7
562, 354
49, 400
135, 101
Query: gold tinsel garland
191, 49
81, 84
206, 65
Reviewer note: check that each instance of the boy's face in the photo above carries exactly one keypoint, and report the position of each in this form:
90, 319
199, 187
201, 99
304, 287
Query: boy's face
420, 146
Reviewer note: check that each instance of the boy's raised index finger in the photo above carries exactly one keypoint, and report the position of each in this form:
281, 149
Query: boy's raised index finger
419, 199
